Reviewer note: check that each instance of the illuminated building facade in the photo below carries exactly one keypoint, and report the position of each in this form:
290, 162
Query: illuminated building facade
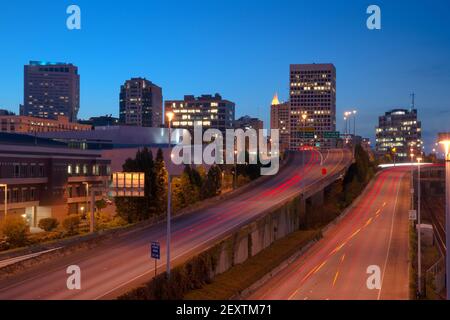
140, 103
26, 124
210, 111
46, 178
51, 90
312, 95
398, 132
280, 119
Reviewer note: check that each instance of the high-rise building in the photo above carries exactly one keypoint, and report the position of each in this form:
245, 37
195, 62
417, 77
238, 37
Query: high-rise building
397, 133
280, 119
140, 103
312, 104
212, 112
51, 90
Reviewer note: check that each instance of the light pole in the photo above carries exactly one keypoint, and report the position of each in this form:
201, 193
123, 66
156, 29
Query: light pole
394, 152
419, 233
446, 142
91, 207
354, 123
412, 179
6, 197
235, 176
304, 117
170, 116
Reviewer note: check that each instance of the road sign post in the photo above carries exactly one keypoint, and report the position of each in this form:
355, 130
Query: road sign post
412, 215
155, 251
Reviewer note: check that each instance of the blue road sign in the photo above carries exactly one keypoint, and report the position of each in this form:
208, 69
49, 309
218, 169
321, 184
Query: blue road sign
156, 250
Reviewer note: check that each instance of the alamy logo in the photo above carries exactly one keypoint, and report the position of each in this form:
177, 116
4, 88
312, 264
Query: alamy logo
374, 20
374, 280
74, 20
74, 279
235, 151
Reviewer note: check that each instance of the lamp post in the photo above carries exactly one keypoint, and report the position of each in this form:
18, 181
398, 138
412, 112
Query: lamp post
91, 207
354, 123
412, 179
304, 117
419, 233
446, 143
6, 197
170, 116
235, 176
394, 151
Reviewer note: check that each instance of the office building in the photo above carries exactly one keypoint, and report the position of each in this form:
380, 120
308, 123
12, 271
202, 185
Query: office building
397, 133
280, 119
312, 95
51, 90
141, 103
45, 178
207, 110
31, 125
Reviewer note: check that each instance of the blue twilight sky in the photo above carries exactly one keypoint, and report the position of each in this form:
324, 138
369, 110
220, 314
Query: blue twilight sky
241, 49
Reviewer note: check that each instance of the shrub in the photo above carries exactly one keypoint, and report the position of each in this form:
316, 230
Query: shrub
43, 237
15, 229
71, 224
48, 224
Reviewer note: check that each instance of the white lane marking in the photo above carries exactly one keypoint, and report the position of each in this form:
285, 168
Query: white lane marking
390, 239
5, 263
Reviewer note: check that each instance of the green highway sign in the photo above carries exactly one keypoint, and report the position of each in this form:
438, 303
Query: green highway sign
304, 135
331, 135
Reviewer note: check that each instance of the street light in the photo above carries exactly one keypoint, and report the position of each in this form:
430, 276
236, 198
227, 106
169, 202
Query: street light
394, 150
354, 123
170, 116
412, 178
6, 197
304, 117
445, 141
419, 231
92, 206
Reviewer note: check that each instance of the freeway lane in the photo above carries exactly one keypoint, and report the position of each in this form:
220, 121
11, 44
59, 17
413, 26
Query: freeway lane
373, 233
121, 264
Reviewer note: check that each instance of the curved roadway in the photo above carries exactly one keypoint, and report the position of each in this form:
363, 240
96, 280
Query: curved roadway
119, 265
373, 233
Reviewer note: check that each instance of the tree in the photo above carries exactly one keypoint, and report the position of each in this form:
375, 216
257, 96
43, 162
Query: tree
160, 191
71, 224
213, 183
15, 229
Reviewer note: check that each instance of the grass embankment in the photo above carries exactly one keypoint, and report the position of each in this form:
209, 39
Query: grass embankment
242, 276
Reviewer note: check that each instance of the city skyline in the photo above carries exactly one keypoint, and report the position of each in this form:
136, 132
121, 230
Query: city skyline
386, 65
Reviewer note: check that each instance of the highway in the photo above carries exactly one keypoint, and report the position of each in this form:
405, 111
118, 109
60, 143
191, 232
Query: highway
121, 264
374, 232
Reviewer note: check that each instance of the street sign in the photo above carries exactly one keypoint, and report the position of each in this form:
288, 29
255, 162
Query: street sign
304, 135
412, 215
156, 250
331, 135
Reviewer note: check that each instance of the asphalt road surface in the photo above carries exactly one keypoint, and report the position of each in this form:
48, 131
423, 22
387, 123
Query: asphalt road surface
121, 264
373, 233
